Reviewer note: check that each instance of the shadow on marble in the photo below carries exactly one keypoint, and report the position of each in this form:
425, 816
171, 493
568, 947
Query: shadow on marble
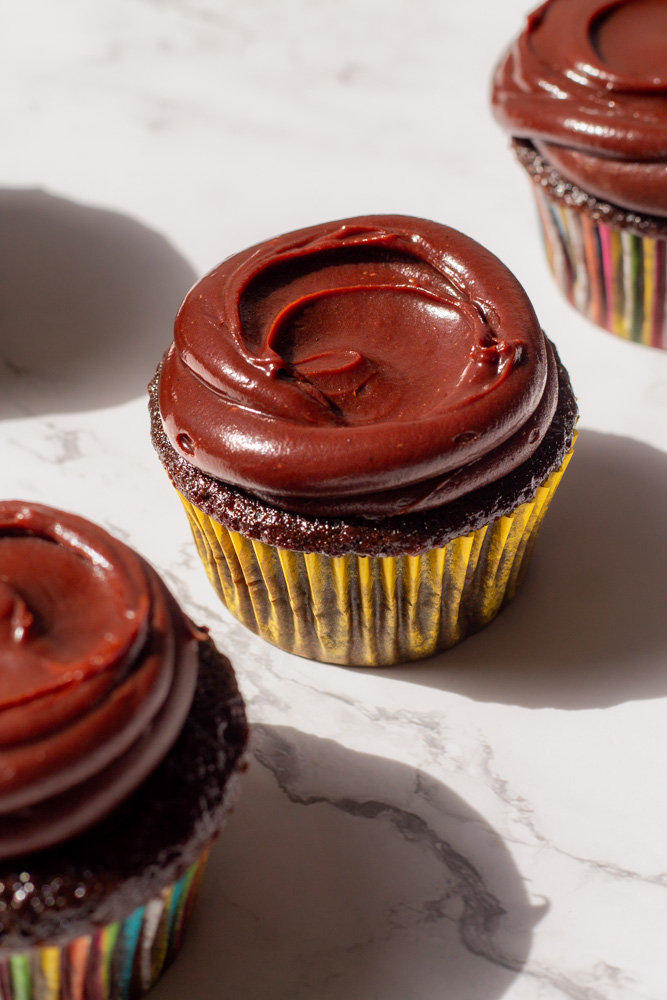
346, 875
88, 302
589, 627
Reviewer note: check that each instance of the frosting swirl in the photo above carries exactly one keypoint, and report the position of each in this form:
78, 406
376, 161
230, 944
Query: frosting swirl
586, 81
97, 672
371, 366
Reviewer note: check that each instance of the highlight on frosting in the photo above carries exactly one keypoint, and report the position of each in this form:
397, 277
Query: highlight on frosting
97, 673
586, 82
365, 366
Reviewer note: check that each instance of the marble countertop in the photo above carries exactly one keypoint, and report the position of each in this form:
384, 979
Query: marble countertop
492, 822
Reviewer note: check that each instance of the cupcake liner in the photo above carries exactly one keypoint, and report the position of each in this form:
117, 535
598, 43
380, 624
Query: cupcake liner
371, 610
616, 278
119, 961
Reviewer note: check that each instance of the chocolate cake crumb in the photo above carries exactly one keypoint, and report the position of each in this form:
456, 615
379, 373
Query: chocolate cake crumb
408, 534
145, 844
558, 188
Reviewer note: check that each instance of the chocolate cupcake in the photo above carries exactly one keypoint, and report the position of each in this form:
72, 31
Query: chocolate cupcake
365, 424
583, 92
121, 735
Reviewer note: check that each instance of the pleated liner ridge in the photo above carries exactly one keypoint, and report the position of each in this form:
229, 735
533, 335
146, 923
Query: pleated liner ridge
614, 277
119, 961
371, 610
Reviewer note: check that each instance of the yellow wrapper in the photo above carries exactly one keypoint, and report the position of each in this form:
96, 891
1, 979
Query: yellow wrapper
371, 610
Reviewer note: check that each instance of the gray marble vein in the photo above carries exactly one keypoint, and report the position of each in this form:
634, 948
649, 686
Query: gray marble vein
480, 909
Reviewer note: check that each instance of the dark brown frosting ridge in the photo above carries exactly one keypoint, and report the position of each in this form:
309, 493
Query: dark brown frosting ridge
372, 366
586, 82
97, 672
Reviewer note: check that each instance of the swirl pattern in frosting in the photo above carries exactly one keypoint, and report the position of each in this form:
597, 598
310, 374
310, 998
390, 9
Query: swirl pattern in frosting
371, 366
97, 673
586, 82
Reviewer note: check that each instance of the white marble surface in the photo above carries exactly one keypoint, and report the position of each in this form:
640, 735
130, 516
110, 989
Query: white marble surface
488, 824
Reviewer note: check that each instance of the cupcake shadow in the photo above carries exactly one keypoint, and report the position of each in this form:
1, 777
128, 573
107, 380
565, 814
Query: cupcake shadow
587, 629
346, 875
88, 302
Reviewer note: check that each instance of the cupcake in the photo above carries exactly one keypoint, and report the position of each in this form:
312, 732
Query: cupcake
365, 424
122, 733
583, 92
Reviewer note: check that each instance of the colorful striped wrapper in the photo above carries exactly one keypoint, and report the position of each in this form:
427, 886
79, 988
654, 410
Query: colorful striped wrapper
616, 278
371, 610
120, 961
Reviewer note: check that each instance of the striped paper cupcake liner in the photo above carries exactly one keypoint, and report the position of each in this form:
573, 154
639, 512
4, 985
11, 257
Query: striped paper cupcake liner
119, 961
371, 610
613, 276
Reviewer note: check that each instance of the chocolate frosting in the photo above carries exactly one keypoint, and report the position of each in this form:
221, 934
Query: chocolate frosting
586, 82
370, 366
148, 841
97, 673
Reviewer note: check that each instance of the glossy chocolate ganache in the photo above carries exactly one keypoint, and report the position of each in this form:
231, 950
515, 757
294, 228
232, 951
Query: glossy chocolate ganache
373, 366
98, 668
586, 83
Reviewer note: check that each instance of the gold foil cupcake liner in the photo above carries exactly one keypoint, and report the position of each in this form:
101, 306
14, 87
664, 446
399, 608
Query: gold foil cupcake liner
371, 610
118, 961
616, 278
